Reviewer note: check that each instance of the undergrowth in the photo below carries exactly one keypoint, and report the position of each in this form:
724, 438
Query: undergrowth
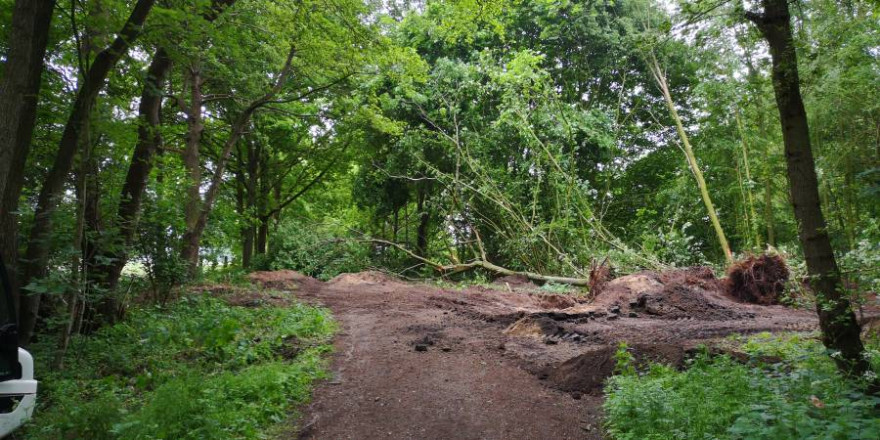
802, 397
197, 369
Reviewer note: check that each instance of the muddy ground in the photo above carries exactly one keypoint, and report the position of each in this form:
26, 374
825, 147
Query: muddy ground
506, 361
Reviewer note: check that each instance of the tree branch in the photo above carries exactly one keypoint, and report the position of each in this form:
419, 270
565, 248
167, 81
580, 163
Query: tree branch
451, 269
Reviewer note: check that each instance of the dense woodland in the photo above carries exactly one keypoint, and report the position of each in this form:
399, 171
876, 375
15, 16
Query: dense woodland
147, 144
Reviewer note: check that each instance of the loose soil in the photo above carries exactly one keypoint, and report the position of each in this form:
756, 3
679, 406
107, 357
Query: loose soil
505, 361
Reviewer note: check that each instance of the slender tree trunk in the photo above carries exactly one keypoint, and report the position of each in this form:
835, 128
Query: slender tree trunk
768, 209
276, 218
424, 221
260, 192
840, 329
747, 221
19, 91
247, 234
92, 236
852, 206
37, 255
660, 77
751, 212
192, 163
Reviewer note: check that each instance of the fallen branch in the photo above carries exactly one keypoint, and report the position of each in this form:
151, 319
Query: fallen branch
450, 269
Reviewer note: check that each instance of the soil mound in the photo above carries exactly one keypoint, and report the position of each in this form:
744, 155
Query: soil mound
554, 302
587, 373
757, 280
367, 277
692, 293
281, 279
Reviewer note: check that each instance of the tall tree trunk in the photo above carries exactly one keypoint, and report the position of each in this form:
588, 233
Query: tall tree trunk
192, 163
840, 330
19, 91
37, 255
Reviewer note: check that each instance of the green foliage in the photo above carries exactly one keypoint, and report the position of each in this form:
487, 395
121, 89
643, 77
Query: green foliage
624, 361
316, 251
861, 264
192, 370
716, 397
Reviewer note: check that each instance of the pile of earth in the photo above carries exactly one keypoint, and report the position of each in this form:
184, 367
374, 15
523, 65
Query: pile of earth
692, 293
282, 280
370, 277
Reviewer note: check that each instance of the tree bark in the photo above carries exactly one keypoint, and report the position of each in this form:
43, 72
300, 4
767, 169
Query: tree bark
20, 85
840, 330
38, 242
19, 92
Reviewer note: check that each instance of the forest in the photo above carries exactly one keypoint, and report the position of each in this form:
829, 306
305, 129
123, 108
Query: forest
271, 219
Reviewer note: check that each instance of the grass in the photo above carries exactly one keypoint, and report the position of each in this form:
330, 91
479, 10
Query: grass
197, 369
803, 397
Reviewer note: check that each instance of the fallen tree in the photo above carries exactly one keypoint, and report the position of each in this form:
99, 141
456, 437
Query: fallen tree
482, 263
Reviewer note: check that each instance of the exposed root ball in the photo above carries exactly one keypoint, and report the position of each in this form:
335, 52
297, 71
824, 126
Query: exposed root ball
757, 280
600, 275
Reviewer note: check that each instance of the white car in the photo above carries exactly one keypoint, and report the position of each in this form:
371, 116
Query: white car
18, 389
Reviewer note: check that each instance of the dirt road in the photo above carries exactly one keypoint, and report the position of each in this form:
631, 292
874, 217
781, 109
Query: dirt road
507, 361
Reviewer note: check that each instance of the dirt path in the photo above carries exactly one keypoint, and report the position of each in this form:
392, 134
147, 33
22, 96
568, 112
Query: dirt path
508, 362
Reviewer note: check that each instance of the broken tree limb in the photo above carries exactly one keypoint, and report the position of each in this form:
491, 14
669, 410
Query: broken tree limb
450, 269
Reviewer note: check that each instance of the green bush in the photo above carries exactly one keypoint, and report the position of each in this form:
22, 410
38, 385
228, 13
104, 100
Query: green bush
314, 251
717, 398
194, 370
